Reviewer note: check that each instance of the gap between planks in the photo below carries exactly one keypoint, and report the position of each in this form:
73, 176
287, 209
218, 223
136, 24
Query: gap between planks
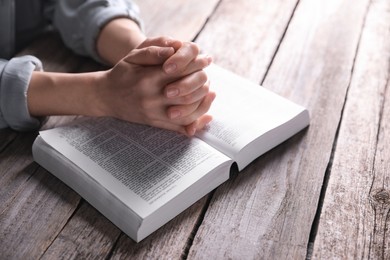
314, 228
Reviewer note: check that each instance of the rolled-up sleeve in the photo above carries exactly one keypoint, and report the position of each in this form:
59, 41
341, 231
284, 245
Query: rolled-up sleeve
80, 21
15, 76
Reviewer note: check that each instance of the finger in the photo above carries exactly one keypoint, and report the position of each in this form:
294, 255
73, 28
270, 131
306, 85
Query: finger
186, 86
161, 42
191, 98
170, 126
175, 112
149, 56
198, 125
199, 63
182, 57
192, 123
202, 109
188, 130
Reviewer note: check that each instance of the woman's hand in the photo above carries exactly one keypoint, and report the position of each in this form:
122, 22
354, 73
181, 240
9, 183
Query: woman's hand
185, 61
138, 89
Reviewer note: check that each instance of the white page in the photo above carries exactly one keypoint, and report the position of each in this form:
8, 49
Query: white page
243, 111
145, 179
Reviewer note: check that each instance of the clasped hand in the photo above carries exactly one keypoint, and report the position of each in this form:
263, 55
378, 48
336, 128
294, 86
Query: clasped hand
161, 83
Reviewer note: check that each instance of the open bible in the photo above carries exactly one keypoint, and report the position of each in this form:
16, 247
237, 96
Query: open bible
140, 177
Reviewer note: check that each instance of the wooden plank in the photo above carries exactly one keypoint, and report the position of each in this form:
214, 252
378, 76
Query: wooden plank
169, 242
87, 235
16, 167
35, 216
6, 137
180, 19
267, 211
379, 197
354, 218
243, 36
55, 57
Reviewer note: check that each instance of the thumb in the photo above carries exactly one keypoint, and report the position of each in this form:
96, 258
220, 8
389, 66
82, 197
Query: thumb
152, 55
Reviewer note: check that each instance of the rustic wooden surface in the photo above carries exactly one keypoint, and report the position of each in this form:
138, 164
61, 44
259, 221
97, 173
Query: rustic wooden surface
324, 194
354, 219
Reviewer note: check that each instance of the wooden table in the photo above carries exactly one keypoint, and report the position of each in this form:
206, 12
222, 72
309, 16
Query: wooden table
322, 194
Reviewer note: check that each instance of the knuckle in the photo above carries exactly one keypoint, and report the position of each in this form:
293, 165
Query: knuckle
187, 110
148, 51
190, 119
162, 40
145, 105
203, 76
166, 40
205, 89
153, 122
204, 108
187, 99
194, 47
203, 63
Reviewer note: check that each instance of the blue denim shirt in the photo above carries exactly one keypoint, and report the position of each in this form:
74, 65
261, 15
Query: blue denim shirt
77, 21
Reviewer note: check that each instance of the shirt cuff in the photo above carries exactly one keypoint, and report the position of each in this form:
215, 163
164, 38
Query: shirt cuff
14, 82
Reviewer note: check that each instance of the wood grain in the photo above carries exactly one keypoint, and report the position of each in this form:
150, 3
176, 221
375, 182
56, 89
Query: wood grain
180, 19
354, 218
330, 56
55, 57
36, 215
244, 36
87, 235
6, 136
16, 167
267, 211
168, 242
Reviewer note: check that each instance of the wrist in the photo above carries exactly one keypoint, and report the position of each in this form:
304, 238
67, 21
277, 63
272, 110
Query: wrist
118, 38
64, 94
98, 94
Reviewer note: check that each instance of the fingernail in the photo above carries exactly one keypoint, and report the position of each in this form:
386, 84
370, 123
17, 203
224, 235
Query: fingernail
174, 114
213, 97
172, 92
192, 131
170, 68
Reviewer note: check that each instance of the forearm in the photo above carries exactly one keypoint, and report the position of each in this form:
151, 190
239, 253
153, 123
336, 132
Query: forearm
63, 94
117, 39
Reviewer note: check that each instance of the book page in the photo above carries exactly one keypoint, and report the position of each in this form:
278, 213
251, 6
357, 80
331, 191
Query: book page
143, 166
243, 111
